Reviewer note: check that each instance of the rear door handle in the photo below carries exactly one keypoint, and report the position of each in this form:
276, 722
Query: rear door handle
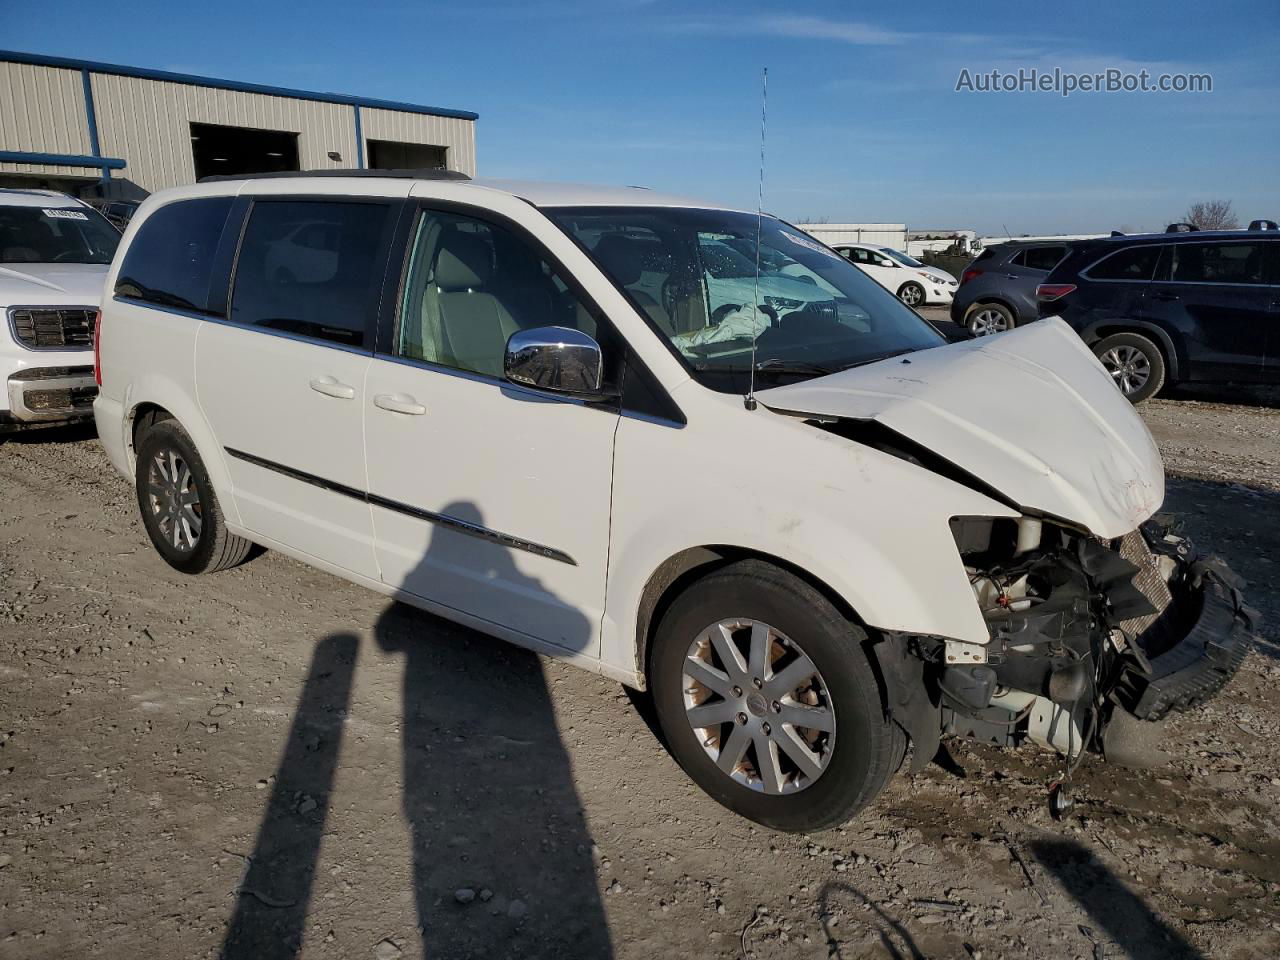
399, 403
1165, 296
332, 388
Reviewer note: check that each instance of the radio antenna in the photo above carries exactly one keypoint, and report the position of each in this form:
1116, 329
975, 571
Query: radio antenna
749, 401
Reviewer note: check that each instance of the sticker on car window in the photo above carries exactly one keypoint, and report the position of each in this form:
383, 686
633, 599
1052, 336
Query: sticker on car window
65, 214
810, 244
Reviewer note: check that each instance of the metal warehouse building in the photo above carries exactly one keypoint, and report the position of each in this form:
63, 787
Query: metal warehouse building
99, 129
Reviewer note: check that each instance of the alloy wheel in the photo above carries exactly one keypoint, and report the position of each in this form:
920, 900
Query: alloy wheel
1129, 367
759, 706
911, 295
174, 499
986, 322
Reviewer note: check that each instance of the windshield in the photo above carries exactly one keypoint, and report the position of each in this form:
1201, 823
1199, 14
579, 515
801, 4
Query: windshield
56, 235
901, 257
693, 274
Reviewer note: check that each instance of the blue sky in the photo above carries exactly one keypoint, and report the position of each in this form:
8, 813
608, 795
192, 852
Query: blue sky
864, 120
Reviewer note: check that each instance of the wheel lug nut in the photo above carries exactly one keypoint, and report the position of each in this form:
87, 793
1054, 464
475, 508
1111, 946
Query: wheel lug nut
777, 707
742, 718
758, 682
737, 691
766, 729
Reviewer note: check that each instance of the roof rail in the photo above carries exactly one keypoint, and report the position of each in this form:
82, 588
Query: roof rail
1263, 225
344, 172
1181, 228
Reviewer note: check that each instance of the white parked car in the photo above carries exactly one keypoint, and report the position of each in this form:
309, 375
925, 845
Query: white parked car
503, 405
914, 283
54, 254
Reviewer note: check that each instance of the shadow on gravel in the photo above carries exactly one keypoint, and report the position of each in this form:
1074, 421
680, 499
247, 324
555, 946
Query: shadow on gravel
489, 791
1237, 394
1125, 917
501, 856
894, 938
271, 908
62, 433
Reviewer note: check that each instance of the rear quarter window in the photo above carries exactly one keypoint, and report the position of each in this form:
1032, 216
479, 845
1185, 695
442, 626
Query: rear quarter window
170, 261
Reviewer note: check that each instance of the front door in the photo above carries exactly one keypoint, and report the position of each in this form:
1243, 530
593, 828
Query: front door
282, 381
487, 498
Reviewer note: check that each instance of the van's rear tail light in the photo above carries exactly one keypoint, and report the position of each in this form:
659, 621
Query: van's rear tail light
97, 348
1049, 292
969, 275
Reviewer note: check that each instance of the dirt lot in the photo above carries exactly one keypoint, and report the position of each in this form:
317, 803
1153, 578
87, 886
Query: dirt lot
269, 762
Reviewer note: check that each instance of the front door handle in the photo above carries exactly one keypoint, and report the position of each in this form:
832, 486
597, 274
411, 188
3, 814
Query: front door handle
399, 403
1164, 296
332, 388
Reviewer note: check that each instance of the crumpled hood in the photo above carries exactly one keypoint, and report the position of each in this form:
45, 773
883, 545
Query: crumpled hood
60, 284
1031, 412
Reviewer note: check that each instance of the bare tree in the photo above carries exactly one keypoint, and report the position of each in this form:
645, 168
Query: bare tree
1212, 215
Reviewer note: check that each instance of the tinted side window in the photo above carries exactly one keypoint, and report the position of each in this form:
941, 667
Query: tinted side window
1217, 263
312, 267
170, 261
1043, 258
471, 285
1136, 263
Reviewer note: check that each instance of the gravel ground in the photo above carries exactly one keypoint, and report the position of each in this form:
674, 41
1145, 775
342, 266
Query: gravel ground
270, 762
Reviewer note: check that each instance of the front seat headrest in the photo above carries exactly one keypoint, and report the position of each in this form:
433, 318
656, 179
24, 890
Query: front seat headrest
620, 256
464, 261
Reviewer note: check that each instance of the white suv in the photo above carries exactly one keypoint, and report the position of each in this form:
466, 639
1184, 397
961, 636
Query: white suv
510, 404
916, 284
54, 255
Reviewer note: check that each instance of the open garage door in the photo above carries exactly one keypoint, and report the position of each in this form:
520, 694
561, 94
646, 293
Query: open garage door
393, 155
231, 151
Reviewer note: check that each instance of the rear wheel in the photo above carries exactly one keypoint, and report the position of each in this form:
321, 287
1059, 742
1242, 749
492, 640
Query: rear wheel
984, 319
912, 294
768, 700
179, 508
1134, 362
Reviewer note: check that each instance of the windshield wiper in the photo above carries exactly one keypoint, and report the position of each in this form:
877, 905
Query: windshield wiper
775, 365
877, 359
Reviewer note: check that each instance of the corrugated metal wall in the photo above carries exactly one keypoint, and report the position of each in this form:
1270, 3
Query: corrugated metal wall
145, 122
42, 111
459, 136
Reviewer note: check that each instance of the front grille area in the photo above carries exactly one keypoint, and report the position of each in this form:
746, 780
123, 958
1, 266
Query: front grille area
73, 399
53, 327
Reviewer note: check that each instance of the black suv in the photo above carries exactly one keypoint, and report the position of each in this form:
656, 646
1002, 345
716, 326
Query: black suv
1174, 307
998, 290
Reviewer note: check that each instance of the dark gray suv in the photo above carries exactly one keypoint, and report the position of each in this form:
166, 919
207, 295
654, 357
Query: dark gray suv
998, 290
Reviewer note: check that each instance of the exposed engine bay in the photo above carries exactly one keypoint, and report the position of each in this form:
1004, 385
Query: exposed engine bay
1082, 628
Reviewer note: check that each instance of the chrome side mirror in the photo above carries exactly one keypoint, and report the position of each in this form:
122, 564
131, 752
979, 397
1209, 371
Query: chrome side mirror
558, 359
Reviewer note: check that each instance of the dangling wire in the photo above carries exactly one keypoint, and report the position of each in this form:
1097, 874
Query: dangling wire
749, 401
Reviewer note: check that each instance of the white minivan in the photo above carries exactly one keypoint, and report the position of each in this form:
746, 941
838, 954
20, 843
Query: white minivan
508, 404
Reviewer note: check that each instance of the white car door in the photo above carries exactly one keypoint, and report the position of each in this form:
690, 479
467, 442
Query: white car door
487, 498
875, 265
281, 381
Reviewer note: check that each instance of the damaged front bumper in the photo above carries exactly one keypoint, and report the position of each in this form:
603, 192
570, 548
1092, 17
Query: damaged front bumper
1082, 628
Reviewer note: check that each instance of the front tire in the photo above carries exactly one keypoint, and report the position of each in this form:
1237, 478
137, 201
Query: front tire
179, 508
768, 700
912, 294
1135, 363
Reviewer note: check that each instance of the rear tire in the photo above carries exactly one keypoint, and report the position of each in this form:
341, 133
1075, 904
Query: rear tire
1135, 363
984, 319
843, 770
912, 294
179, 509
